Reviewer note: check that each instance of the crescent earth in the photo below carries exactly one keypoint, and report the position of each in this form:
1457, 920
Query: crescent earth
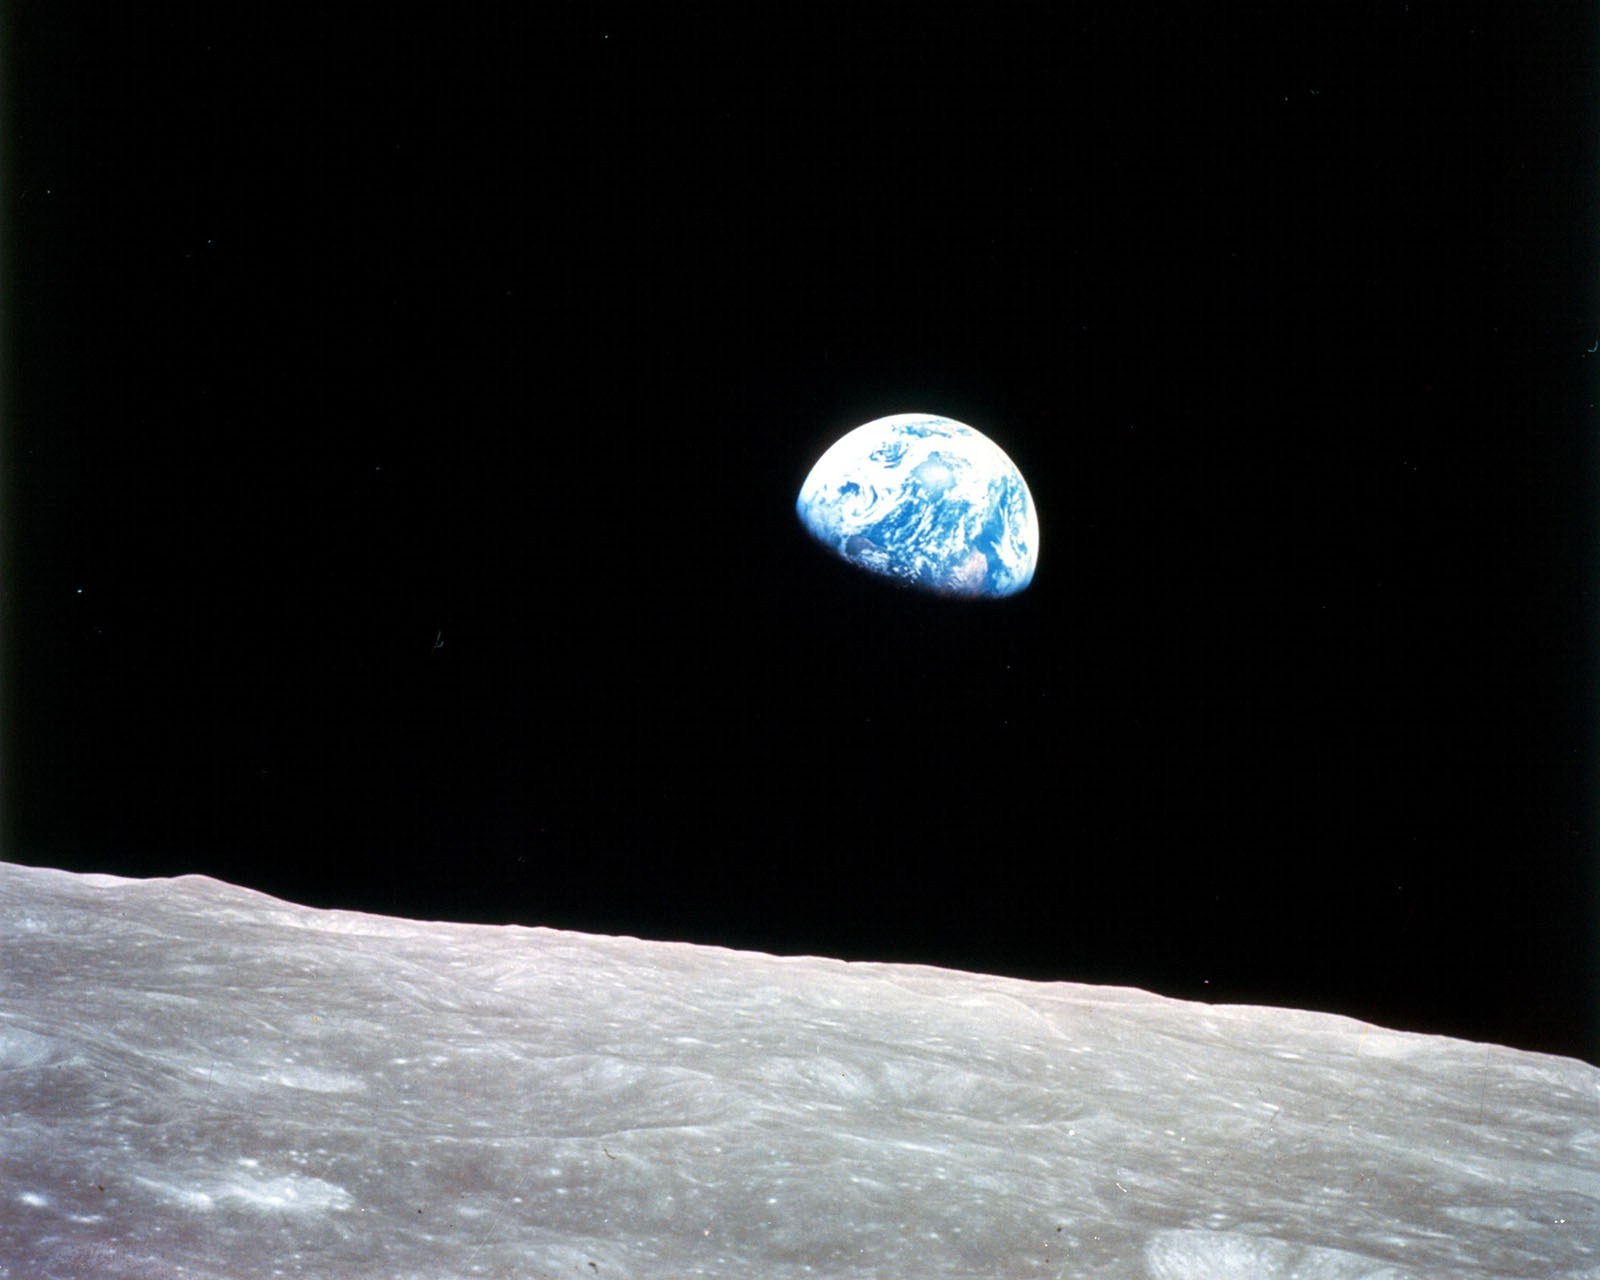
926, 501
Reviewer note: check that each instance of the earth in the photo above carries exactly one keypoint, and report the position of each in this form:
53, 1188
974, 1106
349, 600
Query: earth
927, 501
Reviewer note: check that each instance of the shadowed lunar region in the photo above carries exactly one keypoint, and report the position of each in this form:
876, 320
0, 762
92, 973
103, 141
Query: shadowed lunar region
200, 1080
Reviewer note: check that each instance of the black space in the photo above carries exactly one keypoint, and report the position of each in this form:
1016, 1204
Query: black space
405, 415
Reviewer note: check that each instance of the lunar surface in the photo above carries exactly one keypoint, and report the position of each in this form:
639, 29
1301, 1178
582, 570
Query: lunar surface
197, 1080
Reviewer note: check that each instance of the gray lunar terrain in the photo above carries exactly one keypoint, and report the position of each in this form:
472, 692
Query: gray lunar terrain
200, 1081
